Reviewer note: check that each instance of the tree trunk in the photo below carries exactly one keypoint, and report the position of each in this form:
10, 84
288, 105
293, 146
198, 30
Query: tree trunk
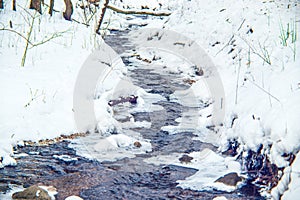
51, 7
1, 4
14, 5
69, 10
36, 5
102, 16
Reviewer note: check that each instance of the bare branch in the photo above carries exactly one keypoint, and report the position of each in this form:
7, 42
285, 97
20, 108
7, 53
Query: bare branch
53, 36
137, 12
74, 20
265, 91
13, 31
231, 38
32, 16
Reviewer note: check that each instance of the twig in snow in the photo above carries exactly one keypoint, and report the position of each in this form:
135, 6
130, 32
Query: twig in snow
19, 34
231, 38
270, 99
80, 22
53, 36
225, 45
237, 81
264, 91
34, 95
241, 24
265, 54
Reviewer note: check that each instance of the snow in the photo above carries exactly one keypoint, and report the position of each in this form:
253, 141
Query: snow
37, 99
20, 155
279, 79
8, 195
65, 158
7, 161
220, 198
14, 188
264, 97
37, 193
111, 148
50, 190
205, 177
293, 184
73, 198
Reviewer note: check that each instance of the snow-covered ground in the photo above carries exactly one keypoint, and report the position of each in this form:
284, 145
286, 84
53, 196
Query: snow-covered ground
37, 99
244, 39
241, 38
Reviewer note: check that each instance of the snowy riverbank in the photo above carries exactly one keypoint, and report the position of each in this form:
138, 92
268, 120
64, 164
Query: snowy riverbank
259, 69
253, 45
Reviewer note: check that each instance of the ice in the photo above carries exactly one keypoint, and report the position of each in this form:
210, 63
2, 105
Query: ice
8, 195
203, 161
73, 198
65, 158
8, 161
110, 148
220, 198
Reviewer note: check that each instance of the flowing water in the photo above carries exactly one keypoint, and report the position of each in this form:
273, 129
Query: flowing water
129, 177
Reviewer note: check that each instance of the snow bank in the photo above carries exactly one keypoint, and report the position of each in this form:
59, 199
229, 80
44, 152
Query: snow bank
294, 184
37, 99
9, 194
260, 74
220, 198
111, 148
266, 96
205, 177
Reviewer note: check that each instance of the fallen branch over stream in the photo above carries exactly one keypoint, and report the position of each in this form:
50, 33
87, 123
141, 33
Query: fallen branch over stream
126, 12
138, 12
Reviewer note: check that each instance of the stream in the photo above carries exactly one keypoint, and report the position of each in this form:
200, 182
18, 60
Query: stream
129, 177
